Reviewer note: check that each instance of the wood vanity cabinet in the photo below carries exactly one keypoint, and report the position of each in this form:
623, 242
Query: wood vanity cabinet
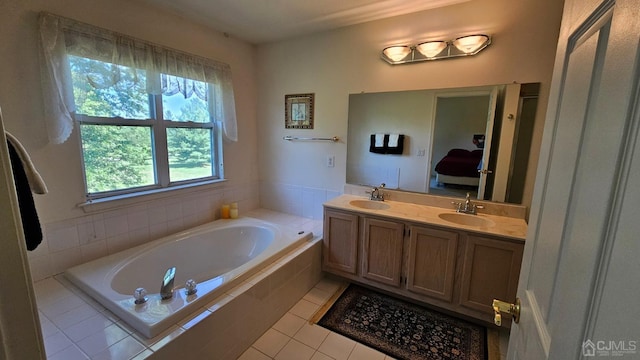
382, 248
340, 243
432, 262
455, 270
491, 271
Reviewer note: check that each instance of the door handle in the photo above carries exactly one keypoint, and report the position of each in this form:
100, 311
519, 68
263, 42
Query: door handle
500, 307
485, 171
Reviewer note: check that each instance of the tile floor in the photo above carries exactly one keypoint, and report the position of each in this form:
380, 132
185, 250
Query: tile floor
293, 338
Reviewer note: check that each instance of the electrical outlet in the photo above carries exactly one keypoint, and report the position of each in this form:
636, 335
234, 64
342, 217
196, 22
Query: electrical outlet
331, 161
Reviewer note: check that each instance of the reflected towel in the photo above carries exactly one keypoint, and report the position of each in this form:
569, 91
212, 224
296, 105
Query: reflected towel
379, 140
393, 140
377, 149
398, 149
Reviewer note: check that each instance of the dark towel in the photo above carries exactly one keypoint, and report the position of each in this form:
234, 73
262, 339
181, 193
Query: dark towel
28, 214
385, 149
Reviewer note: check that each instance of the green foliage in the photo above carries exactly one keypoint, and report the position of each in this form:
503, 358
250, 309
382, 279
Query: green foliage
120, 157
190, 146
191, 109
116, 157
107, 90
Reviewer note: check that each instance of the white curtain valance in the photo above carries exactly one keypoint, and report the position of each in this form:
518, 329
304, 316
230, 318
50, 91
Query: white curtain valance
61, 37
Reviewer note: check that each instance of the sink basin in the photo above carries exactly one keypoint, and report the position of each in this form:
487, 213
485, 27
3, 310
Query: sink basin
369, 204
466, 219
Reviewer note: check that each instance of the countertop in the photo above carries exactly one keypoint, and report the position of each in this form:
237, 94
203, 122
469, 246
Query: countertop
503, 226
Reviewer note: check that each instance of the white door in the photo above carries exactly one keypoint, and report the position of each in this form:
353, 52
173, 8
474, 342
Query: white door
504, 158
488, 137
579, 281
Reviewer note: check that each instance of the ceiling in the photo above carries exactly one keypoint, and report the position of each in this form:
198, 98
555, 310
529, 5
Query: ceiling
263, 21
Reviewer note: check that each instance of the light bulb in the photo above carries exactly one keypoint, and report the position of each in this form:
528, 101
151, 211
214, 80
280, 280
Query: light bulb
470, 44
396, 53
431, 48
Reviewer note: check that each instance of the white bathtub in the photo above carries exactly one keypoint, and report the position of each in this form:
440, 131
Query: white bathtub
217, 255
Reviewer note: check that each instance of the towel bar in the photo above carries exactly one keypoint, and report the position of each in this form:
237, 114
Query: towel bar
291, 138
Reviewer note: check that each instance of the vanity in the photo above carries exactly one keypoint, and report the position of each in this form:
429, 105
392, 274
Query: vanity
428, 252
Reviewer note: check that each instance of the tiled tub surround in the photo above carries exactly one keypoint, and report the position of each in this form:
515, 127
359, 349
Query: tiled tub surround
294, 199
100, 233
216, 255
76, 327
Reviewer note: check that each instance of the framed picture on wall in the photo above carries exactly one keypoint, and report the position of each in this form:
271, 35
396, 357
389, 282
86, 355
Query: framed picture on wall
298, 111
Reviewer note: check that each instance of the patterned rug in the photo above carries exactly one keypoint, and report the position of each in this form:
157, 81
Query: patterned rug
403, 330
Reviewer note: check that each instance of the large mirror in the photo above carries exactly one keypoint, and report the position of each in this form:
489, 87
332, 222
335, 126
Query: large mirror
444, 141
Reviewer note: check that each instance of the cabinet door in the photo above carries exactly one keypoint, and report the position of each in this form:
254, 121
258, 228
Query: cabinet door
382, 251
432, 262
340, 242
491, 270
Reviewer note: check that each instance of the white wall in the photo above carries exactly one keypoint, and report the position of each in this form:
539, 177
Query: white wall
337, 63
71, 235
401, 112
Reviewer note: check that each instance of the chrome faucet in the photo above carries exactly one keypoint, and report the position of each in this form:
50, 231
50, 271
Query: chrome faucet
467, 207
376, 193
166, 290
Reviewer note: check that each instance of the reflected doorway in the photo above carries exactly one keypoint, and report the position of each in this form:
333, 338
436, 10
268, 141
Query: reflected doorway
461, 146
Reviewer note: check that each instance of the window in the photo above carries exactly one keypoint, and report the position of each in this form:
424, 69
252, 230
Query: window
149, 117
132, 140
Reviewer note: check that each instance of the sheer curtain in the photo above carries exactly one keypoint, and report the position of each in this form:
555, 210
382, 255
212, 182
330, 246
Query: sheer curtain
61, 37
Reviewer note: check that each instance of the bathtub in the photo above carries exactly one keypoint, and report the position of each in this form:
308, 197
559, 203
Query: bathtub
217, 255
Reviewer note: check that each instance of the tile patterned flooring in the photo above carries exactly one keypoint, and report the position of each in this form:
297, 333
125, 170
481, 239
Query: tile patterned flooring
293, 338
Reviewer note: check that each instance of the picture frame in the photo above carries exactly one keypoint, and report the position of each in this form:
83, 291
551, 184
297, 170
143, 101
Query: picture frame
298, 111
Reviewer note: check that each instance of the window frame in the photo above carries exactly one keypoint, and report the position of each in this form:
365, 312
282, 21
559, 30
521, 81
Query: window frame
158, 130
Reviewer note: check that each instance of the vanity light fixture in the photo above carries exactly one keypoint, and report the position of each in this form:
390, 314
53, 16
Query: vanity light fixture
431, 48
436, 50
397, 53
471, 44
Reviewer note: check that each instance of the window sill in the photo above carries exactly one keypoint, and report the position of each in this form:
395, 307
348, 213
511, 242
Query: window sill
113, 202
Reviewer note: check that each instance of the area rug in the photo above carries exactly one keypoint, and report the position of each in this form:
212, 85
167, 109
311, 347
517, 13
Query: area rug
403, 330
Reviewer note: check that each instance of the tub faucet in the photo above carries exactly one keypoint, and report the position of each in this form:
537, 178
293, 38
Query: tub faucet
166, 290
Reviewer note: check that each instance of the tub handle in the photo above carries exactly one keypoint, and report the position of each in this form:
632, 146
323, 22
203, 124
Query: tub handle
166, 290
140, 296
191, 287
